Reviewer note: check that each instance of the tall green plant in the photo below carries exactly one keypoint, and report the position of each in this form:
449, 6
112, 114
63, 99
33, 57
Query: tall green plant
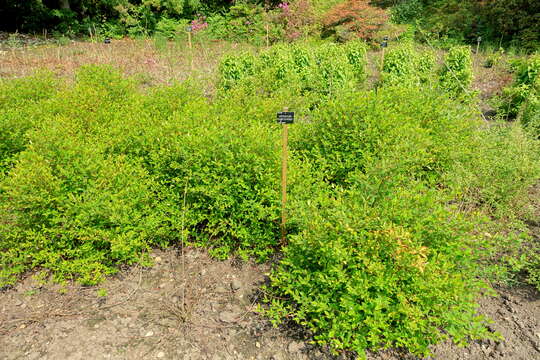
456, 75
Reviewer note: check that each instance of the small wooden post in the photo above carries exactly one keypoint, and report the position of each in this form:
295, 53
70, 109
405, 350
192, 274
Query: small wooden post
284, 118
384, 44
478, 40
267, 36
284, 181
190, 44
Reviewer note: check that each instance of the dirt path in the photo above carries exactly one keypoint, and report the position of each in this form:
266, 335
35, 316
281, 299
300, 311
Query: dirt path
206, 312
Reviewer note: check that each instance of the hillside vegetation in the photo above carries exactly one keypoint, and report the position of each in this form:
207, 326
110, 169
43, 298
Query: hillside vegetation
497, 23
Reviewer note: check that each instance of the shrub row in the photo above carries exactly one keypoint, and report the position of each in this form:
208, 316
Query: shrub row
404, 64
316, 70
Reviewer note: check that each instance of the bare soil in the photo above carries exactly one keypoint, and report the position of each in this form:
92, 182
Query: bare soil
193, 307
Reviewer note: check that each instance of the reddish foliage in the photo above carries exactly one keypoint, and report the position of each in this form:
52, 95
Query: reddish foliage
356, 16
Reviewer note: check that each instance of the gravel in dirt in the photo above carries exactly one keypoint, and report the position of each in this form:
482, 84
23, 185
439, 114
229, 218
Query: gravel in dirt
193, 307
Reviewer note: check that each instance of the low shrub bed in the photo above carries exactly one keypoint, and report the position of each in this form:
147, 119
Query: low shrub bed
403, 204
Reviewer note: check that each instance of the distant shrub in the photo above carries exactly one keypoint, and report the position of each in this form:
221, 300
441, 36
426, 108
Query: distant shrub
404, 64
508, 20
456, 75
322, 70
530, 117
233, 68
520, 100
354, 18
297, 18
357, 55
407, 11
245, 22
170, 28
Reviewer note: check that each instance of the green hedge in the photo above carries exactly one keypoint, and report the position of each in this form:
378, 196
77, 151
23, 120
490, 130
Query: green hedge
309, 70
101, 177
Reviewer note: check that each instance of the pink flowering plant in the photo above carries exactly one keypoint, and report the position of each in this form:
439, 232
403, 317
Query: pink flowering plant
297, 19
199, 24
284, 7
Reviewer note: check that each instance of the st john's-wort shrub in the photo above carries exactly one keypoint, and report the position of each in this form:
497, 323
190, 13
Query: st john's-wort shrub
233, 68
384, 255
108, 169
19, 107
520, 100
344, 133
379, 267
352, 273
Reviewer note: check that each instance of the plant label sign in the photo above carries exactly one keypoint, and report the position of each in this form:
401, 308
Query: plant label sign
384, 43
285, 117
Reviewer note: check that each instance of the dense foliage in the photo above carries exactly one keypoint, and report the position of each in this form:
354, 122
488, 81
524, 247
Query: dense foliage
502, 22
101, 172
521, 99
450, 22
403, 204
354, 18
313, 72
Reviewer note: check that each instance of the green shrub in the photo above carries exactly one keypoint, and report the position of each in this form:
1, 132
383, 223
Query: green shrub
504, 153
170, 28
19, 106
229, 169
530, 116
456, 75
403, 64
344, 132
244, 23
302, 69
108, 170
407, 11
386, 252
356, 51
520, 100
233, 68
380, 267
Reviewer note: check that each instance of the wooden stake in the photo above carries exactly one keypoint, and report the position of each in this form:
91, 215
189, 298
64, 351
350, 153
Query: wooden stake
267, 36
190, 49
284, 181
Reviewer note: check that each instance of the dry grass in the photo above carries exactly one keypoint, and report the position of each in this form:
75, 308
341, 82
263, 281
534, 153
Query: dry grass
158, 61
154, 61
